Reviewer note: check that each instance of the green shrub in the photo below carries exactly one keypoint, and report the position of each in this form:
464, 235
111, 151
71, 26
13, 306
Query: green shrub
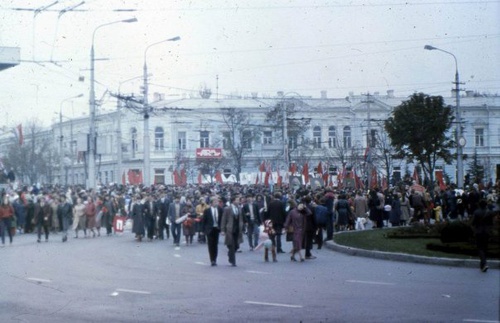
456, 232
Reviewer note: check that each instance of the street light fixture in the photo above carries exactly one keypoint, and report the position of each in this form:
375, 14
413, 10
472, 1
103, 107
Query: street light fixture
92, 135
61, 155
147, 171
458, 129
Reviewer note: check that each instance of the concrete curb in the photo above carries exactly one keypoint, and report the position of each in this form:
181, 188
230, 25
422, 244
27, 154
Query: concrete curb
470, 263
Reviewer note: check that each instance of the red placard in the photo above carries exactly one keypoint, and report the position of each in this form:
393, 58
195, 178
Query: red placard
208, 152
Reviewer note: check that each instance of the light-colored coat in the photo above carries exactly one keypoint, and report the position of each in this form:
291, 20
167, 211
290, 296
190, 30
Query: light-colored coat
227, 225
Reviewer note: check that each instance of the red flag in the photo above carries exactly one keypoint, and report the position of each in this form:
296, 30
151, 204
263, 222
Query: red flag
373, 180
384, 182
18, 132
262, 167
440, 179
280, 179
320, 169
177, 179
183, 177
218, 177
415, 176
305, 173
293, 168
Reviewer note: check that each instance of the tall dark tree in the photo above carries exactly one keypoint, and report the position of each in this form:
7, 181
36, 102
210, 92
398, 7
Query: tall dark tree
419, 131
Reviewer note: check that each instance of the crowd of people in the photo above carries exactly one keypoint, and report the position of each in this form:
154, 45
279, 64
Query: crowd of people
263, 215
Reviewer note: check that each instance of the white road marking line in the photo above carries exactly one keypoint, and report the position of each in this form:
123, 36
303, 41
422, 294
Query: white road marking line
132, 291
480, 321
177, 255
257, 272
40, 280
200, 263
274, 304
369, 282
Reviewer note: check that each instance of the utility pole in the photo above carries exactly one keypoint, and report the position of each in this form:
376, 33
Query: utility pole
368, 152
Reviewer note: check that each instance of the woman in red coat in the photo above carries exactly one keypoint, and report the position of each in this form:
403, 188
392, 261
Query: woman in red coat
296, 219
6, 214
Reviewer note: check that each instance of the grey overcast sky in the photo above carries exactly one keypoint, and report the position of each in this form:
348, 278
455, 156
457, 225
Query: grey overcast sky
262, 46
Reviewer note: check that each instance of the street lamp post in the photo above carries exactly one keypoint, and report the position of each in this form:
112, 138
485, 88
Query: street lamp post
458, 129
147, 152
92, 136
61, 155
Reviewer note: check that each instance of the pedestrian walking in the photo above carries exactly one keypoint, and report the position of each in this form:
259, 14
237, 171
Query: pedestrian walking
43, 218
232, 228
6, 217
211, 223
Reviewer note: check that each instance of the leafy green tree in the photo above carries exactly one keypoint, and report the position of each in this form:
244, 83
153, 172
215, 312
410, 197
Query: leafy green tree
419, 131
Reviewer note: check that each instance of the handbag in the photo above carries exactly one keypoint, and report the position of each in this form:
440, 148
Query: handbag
289, 234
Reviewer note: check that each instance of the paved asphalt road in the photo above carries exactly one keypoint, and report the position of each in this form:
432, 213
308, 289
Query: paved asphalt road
115, 279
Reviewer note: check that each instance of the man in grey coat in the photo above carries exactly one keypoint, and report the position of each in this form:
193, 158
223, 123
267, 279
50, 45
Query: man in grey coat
232, 228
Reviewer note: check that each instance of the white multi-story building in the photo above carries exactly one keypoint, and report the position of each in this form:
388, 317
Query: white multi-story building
337, 134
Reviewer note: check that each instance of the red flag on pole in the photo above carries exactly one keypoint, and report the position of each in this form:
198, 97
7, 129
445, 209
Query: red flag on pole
305, 173
218, 177
18, 132
373, 180
320, 169
293, 168
415, 176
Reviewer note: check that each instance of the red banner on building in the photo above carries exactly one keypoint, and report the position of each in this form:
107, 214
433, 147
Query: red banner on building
208, 152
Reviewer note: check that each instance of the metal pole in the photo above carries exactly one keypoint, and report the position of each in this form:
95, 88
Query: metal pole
458, 129
91, 181
460, 162
91, 138
61, 155
147, 143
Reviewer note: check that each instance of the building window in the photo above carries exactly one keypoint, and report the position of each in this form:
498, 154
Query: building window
133, 144
246, 139
268, 138
226, 139
292, 142
204, 139
317, 137
479, 137
372, 138
332, 138
347, 137
159, 138
181, 140
159, 176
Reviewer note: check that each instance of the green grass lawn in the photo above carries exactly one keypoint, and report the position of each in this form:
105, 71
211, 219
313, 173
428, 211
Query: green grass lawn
375, 239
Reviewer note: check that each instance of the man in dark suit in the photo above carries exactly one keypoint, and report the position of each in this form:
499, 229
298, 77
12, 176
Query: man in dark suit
252, 220
163, 204
150, 212
232, 228
174, 213
211, 226
277, 215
